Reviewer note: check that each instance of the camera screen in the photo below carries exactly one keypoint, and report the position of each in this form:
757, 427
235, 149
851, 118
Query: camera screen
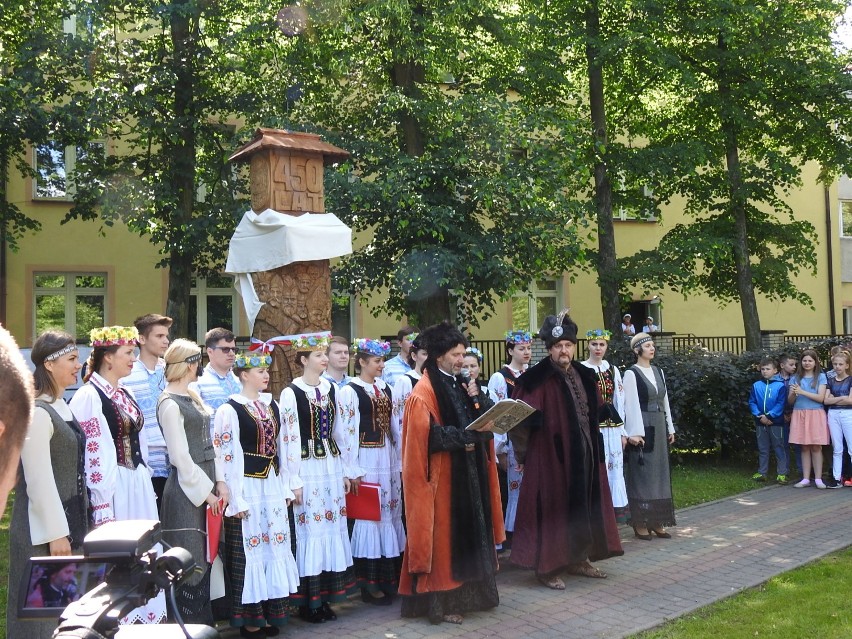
55, 582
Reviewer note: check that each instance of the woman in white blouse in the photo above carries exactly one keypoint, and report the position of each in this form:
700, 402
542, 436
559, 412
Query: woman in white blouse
197, 480
649, 427
50, 512
118, 480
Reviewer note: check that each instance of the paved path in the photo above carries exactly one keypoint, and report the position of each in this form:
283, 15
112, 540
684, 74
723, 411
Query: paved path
717, 549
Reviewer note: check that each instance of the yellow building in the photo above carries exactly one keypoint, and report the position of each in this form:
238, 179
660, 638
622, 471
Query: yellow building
82, 274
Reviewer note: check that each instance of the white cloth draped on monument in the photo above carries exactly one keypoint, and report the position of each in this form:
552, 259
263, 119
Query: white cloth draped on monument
268, 240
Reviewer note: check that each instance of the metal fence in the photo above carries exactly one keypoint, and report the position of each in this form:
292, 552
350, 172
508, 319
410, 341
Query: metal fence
731, 344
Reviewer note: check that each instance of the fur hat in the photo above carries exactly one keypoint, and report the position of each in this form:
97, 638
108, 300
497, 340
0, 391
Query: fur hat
557, 328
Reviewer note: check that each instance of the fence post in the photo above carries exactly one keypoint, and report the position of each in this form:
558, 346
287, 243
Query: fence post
772, 340
664, 342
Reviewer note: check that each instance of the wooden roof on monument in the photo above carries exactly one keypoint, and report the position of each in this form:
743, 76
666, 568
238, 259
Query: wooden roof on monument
288, 141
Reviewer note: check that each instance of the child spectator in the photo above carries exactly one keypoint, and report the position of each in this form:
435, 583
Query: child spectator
767, 402
786, 369
808, 426
839, 402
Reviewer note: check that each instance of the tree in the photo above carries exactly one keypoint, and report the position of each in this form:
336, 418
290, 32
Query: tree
35, 100
453, 179
761, 90
175, 79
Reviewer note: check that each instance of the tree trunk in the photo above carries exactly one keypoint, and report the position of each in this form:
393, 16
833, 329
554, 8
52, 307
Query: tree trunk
738, 210
607, 265
182, 167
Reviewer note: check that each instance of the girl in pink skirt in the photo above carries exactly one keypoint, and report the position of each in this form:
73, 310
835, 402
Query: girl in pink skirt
808, 426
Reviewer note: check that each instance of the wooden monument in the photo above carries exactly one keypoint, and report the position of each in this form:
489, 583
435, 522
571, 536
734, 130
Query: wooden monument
286, 175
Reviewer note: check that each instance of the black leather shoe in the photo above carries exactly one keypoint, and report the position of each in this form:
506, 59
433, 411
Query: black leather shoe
271, 631
251, 634
311, 615
328, 613
647, 537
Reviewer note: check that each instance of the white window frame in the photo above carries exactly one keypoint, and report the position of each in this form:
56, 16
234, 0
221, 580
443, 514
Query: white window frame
840, 205
201, 292
70, 291
624, 214
69, 165
532, 294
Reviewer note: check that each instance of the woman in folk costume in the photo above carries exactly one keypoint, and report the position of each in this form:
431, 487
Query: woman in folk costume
611, 422
518, 346
50, 512
314, 455
406, 382
650, 431
373, 449
248, 436
452, 494
197, 478
119, 483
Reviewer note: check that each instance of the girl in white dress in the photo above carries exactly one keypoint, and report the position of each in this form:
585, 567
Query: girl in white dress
315, 455
119, 483
500, 386
611, 420
374, 446
249, 439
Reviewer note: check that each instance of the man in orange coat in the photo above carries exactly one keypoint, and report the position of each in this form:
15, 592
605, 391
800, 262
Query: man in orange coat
451, 490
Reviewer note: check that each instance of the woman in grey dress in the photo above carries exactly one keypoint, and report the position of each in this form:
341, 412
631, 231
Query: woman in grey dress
50, 512
650, 431
196, 479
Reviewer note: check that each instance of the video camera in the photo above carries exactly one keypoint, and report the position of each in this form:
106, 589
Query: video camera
119, 570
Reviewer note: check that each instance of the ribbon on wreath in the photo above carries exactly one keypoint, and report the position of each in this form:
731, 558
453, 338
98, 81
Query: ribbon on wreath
311, 339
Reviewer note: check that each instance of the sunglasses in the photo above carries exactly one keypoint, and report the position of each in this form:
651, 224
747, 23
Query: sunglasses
225, 349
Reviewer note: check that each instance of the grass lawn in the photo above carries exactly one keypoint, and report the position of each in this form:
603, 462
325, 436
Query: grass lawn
701, 478
808, 602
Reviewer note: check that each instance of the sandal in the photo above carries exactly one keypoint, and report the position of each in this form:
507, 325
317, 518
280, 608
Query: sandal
586, 569
554, 582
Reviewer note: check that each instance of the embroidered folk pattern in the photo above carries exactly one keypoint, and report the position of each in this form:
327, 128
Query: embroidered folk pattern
322, 417
381, 420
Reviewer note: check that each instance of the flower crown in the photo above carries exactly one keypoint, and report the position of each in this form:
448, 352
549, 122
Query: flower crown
113, 336
518, 337
371, 346
251, 360
472, 350
599, 333
312, 342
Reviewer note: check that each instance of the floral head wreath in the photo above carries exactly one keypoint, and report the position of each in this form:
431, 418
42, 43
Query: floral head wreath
599, 333
252, 360
472, 350
371, 346
518, 337
113, 336
312, 342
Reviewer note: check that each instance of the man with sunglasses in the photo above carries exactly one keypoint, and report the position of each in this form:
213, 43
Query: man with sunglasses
217, 382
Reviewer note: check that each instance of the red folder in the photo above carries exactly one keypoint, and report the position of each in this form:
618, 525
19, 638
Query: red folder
364, 505
214, 532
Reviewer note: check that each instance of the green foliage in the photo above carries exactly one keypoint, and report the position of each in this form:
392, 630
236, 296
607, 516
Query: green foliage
458, 185
755, 91
37, 63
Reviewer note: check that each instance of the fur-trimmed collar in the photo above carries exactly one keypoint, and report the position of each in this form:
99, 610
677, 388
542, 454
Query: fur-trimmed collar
537, 375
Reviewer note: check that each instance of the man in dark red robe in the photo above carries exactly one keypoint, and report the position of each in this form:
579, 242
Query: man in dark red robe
565, 515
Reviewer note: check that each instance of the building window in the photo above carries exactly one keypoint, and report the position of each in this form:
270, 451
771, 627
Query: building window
636, 205
846, 218
529, 311
71, 302
211, 305
54, 166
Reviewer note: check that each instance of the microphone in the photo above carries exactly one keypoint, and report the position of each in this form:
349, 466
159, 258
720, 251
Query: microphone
466, 375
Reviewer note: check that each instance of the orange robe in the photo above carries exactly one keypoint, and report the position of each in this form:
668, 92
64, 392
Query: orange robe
426, 483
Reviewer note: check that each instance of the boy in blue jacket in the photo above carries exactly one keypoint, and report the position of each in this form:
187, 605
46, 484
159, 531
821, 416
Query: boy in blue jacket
767, 401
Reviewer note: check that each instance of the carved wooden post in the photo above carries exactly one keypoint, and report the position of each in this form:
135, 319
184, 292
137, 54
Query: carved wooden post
286, 173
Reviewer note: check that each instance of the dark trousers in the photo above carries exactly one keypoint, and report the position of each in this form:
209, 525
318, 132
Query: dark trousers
771, 438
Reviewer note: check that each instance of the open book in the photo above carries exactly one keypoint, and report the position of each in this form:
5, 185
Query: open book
506, 414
